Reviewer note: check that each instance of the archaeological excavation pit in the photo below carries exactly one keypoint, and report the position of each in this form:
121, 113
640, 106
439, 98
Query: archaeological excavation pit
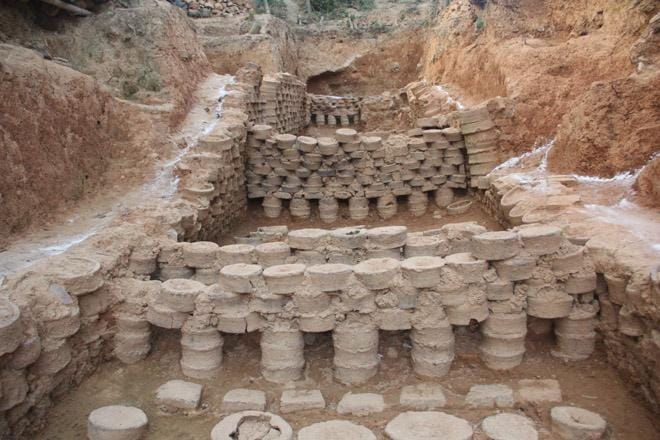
321, 249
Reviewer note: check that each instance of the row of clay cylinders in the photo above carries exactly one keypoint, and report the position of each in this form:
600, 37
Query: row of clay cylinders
282, 358
355, 343
132, 341
201, 350
503, 343
432, 344
576, 338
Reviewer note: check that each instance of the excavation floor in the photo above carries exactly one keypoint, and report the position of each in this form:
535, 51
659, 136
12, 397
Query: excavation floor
590, 384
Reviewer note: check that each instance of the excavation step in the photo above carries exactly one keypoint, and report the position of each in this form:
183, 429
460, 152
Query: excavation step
252, 425
179, 394
414, 425
335, 430
507, 426
116, 422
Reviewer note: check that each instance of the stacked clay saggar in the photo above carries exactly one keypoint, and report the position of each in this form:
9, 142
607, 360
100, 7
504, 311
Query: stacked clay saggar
301, 172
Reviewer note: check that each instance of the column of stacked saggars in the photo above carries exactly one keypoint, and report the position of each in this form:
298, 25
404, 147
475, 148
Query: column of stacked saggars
284, 168
474, 131
285, 102
334, 110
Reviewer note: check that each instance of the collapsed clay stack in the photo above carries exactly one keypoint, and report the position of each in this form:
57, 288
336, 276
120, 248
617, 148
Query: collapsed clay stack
285, 169
334, 110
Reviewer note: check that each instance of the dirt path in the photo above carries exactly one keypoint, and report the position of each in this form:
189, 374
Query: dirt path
93, 214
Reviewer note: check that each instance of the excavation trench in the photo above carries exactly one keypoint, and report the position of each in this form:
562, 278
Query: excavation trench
288, 251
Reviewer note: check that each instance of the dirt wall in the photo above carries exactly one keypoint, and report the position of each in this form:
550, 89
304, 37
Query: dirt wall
60, 131
381, 64
232, 43
66, 134
544, 55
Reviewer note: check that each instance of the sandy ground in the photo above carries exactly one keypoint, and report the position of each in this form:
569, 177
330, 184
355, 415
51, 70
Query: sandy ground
590, 384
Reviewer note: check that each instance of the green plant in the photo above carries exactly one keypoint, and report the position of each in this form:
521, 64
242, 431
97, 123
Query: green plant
337, 8
277, 7
479, 24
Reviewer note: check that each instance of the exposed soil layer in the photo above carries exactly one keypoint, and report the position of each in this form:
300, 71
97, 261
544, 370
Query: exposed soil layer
545, 55
61, 132
91, 106
391, 65
590, 384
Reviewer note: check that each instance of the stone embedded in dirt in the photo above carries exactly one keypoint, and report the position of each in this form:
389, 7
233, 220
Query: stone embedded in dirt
538, 391
242, 399
335, 430
252, 425
179, 394
489, 396
507, 426
116, 422
414, 425
423, 396
573, 423
301, 400
361, 404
